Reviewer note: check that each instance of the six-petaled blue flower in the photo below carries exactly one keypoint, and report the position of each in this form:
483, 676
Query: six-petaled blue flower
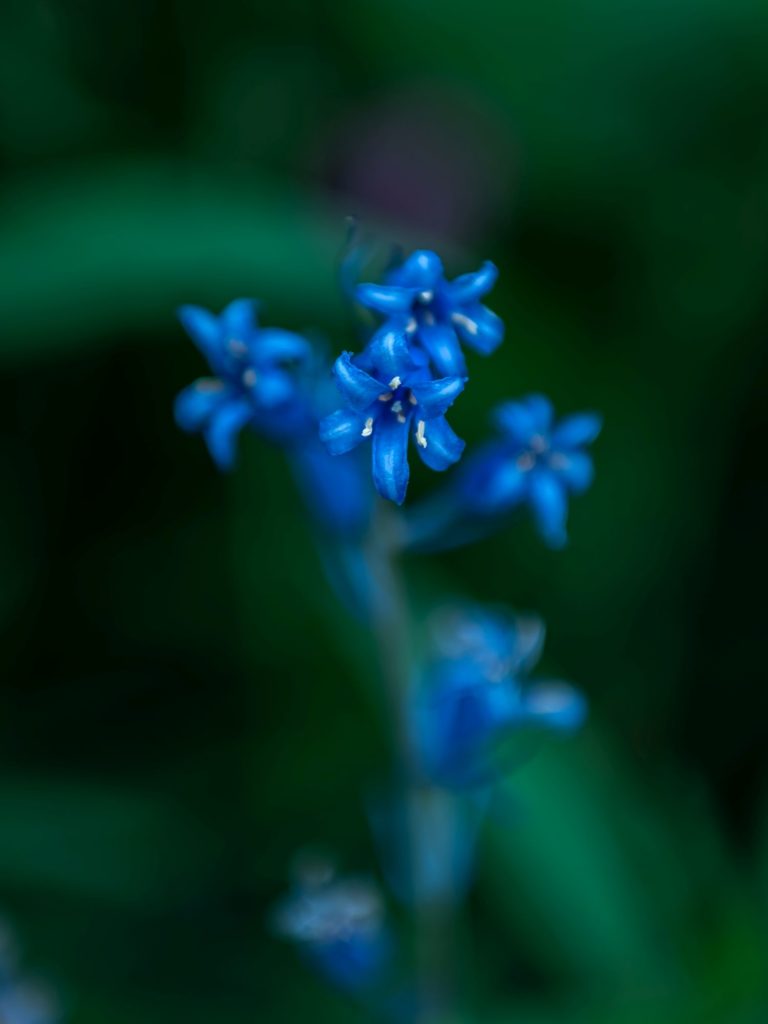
535, 461
474, 696
390, 397
437, 314
254, 384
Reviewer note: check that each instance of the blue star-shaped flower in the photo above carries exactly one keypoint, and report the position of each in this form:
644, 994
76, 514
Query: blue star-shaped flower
391, 397
253, 384
437, 314
475, 697
536, 461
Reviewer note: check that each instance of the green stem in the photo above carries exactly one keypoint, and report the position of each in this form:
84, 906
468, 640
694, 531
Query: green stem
430, 811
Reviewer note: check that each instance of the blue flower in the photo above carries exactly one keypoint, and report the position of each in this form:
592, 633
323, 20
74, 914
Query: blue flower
396, 400
536, 462
22, 1001
254, 386
438, 315
338, 923
474, 698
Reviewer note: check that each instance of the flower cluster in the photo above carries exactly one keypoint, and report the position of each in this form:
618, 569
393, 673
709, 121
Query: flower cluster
466, 712
412, 369
475, 696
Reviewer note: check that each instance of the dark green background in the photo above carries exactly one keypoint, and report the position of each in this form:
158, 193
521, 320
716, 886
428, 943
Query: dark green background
182, 705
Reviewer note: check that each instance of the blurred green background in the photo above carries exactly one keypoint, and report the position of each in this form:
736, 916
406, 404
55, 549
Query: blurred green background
182, 706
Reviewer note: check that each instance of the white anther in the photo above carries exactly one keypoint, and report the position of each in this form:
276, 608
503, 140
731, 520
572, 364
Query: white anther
237, 347
368, 428
538, 443
429, 319
525, 462
386, 397
426, 296
397, 406
249, 377
420, 438
413, 399
401, 418
395, 383
411, 326
465, 322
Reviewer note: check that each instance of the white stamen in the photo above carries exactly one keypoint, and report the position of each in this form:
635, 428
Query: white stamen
426, 296
525, 462
368, 428
249, 377
401, 418
413, 399
465, 322
411, 326
397, 406
237, 347
420, 438
386, 398
538, 443
429, 319
395, 383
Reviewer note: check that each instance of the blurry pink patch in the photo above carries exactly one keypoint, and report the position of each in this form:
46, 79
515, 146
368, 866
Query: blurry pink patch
437, 160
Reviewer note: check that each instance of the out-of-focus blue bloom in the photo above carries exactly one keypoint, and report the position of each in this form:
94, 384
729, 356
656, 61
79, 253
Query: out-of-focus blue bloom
338, 923
536, 461
475, 697
390, 396
437, 315
255, 383
22, 1001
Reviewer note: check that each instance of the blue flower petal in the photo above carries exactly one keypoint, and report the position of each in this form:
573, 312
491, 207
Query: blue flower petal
238, 320
550, 506
386, 298
390, 458
443, 348
422, 270
443, 447
274, 345
388, 351
479, 328
436, 396
575, 469
516, 420
223, 429
342, 431
555, 705
471, 287
273, 387
574, 431
358, 387
204, 329
541, 412
196, 403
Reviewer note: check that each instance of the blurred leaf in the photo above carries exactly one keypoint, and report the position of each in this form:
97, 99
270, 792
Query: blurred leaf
96, 841
118, 247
